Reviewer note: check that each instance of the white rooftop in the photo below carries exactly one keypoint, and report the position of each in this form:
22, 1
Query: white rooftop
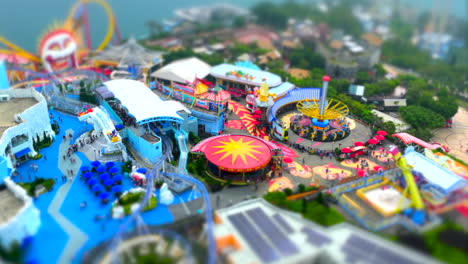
282, 89
183, 71
433, 172
311, 240
141, 102
256, 76
400, 125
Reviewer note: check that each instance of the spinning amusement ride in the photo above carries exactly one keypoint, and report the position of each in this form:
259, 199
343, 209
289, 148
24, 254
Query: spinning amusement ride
321, 120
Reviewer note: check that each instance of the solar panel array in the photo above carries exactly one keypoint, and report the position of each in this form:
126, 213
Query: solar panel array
254, 239
264, 235
358, 249
283, 223
282, 242
315, 238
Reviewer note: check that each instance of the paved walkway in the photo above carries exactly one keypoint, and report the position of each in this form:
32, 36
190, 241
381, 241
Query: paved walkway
76, 238
456, 137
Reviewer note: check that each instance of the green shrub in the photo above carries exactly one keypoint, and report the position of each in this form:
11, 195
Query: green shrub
55, 128
130, 198
13, 253
276, 198
48, 184
323, 215
288, 191
30, 187
439, 249
127, 209
37, 156
151, 204
127, 167
310, 188
312, 210
301, 188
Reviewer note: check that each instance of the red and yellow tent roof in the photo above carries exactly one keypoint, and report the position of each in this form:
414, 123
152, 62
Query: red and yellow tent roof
238, 153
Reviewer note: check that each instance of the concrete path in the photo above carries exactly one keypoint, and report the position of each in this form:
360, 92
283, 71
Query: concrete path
456, 137
76, 238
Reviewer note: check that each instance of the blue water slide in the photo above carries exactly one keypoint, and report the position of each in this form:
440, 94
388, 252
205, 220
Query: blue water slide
182, 136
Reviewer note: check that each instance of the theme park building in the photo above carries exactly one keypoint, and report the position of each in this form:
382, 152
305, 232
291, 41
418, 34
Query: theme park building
240, 159
255, 230
23, 121
129, 104
182, 80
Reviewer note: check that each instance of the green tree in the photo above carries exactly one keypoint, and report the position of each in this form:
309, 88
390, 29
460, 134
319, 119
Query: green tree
401, 52
388, 126
270, 14
341, 17
379, 70
306, 58
177, 55
420, 117
340, 85
239, 22
362, 77
421, 133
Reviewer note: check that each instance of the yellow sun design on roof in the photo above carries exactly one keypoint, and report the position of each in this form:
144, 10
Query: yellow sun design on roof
237, 149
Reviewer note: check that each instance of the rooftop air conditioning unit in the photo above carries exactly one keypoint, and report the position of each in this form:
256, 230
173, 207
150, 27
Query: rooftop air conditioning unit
4, 97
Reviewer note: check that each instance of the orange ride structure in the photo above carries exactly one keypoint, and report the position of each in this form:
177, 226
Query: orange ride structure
62, 46
321, 120
240, 159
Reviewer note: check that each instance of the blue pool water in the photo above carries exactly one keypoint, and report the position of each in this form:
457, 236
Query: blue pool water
51, 239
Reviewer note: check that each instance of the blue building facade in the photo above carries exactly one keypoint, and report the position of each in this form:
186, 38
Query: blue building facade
4, 83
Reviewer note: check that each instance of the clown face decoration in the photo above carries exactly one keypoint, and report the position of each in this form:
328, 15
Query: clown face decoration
58, 51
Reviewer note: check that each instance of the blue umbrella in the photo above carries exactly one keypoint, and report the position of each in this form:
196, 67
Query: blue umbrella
117, 188
84, 168
104, 195
108, 182
117, 177
87, 175
142, 170
95, 163
114, 170
110, 164
97, 188
92, 181
101, 168
104, 176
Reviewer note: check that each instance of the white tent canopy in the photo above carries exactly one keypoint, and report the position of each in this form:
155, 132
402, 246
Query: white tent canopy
183, 71
142, 103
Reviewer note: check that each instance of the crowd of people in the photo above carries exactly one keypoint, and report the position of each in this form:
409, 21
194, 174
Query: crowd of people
80, 143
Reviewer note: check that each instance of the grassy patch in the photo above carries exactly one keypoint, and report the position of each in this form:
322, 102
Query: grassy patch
30, 187
134, 198
153, 259
315, 210
441, 250
130, 198
322, 214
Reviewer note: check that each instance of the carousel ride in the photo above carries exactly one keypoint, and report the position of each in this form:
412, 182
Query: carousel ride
321, 120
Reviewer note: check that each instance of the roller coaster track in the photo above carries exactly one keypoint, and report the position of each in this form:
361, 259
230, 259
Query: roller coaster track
155, 171
110, 16
54, 77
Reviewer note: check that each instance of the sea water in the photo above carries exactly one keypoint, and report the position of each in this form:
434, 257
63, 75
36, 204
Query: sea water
24, 21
